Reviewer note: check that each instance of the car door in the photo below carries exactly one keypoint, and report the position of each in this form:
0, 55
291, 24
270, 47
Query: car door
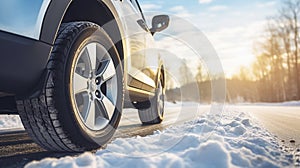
151, 61
137, 30
136, 34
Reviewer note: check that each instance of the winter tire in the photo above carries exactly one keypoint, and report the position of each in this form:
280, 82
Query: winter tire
154, 114
80, 106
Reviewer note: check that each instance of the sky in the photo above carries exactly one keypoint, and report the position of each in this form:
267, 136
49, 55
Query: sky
232, 26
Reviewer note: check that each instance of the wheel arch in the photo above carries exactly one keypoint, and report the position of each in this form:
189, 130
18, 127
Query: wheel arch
96, 11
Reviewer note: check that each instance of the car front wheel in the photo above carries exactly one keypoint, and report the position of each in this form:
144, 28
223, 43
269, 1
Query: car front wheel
81, 104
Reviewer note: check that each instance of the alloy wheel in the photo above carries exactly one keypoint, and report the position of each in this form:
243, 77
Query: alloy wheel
95, 86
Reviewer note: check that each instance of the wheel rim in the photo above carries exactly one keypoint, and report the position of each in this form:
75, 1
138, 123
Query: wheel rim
160, 99
94, 86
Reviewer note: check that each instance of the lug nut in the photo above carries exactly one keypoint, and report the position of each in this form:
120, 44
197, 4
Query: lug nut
97, 81
97, 93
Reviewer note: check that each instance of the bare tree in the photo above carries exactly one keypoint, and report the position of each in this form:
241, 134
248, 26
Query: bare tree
290, 12
276, 69
199, 75
185, 72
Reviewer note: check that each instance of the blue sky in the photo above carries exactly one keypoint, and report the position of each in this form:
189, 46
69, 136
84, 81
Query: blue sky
232, 26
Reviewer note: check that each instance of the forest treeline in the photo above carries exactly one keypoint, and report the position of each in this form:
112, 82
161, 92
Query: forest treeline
275, 74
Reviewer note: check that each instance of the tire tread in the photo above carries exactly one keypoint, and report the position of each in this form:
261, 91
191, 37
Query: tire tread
39, 115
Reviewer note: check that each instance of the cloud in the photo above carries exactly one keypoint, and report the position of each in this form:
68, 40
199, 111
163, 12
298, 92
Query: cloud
218, 8
177, 9
150, 7
266, 4
180, 11
205, 1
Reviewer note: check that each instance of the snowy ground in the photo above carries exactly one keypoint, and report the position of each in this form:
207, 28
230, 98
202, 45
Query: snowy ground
290, 103
232, 139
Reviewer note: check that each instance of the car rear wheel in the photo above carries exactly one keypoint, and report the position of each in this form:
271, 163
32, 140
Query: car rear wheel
81, 104
155, 113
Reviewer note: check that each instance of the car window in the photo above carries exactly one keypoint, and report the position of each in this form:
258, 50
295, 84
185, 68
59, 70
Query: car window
136, 5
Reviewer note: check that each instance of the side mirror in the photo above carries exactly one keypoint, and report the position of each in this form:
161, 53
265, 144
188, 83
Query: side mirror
159, 23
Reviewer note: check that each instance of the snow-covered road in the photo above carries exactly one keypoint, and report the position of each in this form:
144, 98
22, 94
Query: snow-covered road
198, 137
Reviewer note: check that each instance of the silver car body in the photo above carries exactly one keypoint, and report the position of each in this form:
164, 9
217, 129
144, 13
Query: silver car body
141, 59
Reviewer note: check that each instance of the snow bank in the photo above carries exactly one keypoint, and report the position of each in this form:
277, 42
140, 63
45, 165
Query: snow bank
10, 122
227, 140
290, 103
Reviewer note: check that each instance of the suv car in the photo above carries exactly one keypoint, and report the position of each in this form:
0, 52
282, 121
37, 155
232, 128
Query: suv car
69, 67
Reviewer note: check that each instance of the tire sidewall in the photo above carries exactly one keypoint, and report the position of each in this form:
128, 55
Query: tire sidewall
160, 111
160, 81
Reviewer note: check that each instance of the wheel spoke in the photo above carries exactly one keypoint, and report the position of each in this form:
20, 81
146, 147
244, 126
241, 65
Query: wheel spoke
92, 50
108, 71
100, 109
82, 100
108, 106
90, 116
80, 83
